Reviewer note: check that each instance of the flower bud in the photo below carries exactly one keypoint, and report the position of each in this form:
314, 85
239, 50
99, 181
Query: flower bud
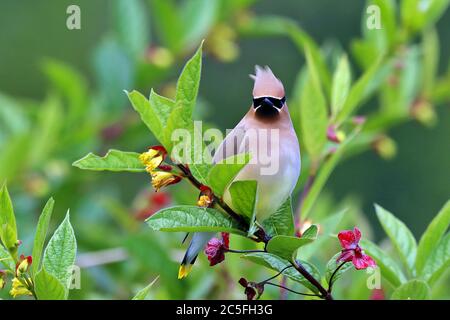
23, 265
335, 136
423, 111
385, 147
162, 179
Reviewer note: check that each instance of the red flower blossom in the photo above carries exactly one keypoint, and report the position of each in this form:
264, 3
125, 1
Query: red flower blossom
216, 248
251, 288
352, 251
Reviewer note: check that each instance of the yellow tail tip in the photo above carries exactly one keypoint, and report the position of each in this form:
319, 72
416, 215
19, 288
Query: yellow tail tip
184, 271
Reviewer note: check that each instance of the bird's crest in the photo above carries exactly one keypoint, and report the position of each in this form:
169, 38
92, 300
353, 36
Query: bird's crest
266, 84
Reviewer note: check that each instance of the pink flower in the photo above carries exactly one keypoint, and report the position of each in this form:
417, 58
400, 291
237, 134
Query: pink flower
352, 251
216, 248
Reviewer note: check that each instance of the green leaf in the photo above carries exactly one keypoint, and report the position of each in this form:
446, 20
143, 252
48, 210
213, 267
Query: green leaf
143, 293
193, 219
8, 229
161, 105
276, 263
401, 237
198, 16
150, 115
281, 222
189, 147
313, 112
7, 260
341, 85
430, 51
48, 287
417, 14
286, 246
132, 26
331, 267
390, 270
412, 290
188, 83
168, 23
114, 160
431, 237
224, 172
41, 233
438, 261
59, 256
361, 90
244, 196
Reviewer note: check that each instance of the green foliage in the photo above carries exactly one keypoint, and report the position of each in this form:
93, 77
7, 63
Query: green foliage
400, 236
332, 266
412, 290
41, 234
244, 195
286, 246
59, 255
114, 160
8, 229
431, 237
193, 219
222, 174
48, 287
281, 222
143, 293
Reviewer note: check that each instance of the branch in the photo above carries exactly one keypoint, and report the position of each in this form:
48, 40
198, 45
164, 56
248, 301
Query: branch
324, 293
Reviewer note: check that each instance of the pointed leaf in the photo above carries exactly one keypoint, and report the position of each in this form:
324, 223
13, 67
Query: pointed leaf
341, 85
8, 229
41, 234
143, 293
48, 287
286, 246
244, 197
389, 268
281, 222
193, 219
149, 115
224, 172
438, 261
114, 160
59, 256
313, 112
401, 237
188, 83
431, 237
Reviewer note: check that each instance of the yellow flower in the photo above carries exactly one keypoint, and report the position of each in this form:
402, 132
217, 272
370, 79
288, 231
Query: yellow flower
18, 289
152, 159
161, 179
204, 201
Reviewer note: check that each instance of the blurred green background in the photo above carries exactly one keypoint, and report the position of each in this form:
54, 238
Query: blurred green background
90, 113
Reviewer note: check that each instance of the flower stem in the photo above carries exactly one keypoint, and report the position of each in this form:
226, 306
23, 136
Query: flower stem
324, 294
333, 275
187, 173
290, 290
244, 251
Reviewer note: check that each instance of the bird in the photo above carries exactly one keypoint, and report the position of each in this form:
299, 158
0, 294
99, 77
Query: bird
267, 133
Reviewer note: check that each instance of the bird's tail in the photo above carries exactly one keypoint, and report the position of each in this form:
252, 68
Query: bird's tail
198, 242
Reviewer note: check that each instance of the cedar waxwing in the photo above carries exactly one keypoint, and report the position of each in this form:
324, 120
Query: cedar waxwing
267, 133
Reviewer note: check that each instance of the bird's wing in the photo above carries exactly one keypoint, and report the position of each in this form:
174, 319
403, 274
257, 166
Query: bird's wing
231, 144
